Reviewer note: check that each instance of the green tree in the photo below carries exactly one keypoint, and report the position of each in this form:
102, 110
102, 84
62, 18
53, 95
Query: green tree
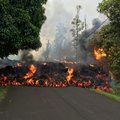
108, 37
111, 8
78, 26
20, 24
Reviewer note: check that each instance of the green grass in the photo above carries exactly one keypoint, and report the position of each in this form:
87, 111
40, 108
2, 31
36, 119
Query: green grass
3, 91
112, 95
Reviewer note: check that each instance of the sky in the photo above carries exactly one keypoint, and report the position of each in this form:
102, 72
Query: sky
63, 11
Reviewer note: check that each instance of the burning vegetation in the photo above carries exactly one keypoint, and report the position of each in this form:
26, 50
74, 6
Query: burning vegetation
99, 53
56, 75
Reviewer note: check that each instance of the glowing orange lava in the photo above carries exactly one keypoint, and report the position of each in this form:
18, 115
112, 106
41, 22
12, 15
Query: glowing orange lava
34, 75
32, 71
19, 64
99, 53
70, 74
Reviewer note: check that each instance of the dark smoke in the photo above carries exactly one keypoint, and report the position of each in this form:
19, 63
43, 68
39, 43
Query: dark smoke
85, 54
26, 56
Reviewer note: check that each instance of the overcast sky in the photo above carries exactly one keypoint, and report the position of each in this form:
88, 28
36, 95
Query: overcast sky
62, 7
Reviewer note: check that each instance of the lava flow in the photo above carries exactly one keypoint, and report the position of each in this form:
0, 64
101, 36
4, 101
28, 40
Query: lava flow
70, 74
55, 75
32, 71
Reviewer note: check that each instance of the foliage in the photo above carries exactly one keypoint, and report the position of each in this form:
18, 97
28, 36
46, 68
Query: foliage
3, 91
111, 8
20, 24
112, 96
78, 26
108, 37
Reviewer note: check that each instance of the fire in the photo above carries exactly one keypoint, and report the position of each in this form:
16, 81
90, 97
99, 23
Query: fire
43, 76
99, 53
37, 83
32, 71
46, 83
30, 82
70, 74
19, 65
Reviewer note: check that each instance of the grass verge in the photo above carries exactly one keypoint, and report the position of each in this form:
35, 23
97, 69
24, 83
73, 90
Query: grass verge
112, 95
3, 91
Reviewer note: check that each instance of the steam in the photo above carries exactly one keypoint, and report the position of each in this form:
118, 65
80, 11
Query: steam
56, 30
57, 15
61, 49
86, 51
57, 27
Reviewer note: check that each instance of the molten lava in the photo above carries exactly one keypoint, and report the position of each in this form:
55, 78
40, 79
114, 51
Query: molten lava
19, 64
99, 53
70, 74
32, 71
55, 75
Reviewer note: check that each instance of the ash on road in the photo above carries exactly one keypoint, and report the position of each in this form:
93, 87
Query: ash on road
30, 103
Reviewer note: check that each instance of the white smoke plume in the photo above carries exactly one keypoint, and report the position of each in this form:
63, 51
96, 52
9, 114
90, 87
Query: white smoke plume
62, 12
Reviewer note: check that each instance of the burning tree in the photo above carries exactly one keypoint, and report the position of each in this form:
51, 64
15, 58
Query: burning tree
108, 38
20, 24
78, 26
99, 53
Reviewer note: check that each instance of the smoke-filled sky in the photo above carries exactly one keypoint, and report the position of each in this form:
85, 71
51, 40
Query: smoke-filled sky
63, 11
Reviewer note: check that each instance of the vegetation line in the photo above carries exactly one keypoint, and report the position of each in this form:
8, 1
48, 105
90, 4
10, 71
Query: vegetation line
3, 92
110, 95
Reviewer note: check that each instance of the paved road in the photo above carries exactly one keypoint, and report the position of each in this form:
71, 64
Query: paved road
26, 103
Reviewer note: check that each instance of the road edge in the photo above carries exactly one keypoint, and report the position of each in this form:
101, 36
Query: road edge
109, 95
3, 92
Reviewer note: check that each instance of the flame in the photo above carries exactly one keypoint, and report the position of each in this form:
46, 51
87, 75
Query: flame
46, 83
99, 53
30, 82
32, 71
19, 65
53, 79
37, 83
5, 78
70, 74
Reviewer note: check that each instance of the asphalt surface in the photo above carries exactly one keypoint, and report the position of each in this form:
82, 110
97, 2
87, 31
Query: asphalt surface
28, 103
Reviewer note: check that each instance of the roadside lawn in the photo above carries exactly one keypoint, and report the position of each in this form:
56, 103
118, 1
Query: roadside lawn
112, 95
3, 91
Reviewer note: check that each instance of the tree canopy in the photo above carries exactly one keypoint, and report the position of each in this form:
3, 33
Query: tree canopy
108, 37
78, 26
111, 8
20, 24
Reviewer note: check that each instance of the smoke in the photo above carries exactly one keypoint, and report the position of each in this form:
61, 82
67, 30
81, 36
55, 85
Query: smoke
26, 55
85, 48
59, 17
56, 30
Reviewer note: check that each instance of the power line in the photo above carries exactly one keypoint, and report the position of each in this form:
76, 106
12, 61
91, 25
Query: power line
96, 29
